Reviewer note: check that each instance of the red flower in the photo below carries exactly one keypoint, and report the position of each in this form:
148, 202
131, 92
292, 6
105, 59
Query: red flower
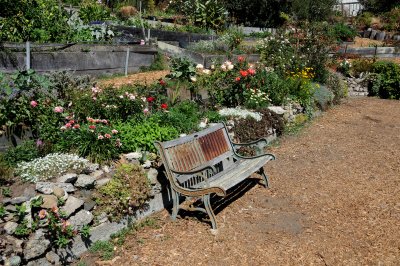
150, 99
240, 59
162, 82
164, 106
243, 73
237, 79
92, 126
251, 71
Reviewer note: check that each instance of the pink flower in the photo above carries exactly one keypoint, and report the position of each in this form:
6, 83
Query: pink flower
71, 122
42, 214
114, 131
104, 121
68, 125
251, 71
76, 126
92, 127
54, 209
58, 109
240, 59
34, 104
108, 136
100, 137
237, 79
145, 110
243, 73
118, 143
90, 120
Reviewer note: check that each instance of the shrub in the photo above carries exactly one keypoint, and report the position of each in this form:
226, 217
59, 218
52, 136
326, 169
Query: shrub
323, 97
362, 65
338, 87
386, 81
343, 32
96, 140
25, 152
127, 191
141, 136
182, 68
93, 11
52, 165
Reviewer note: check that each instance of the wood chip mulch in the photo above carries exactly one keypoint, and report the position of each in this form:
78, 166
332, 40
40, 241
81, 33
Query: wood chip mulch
335, 200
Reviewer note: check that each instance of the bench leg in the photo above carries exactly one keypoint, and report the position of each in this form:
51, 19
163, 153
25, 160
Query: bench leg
207, 205
265, 177
175, 206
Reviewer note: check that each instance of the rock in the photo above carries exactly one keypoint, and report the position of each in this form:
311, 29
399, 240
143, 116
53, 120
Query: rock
373, 34
277, 109
29, 192
102, 182
16, 200
97, 174
39, 262
80, 219
152, 176
91, 168
89, 205
35, 248
14, 261
396, 37
106, 169
11, 208
380, 36
67, 178
53, 258
16, 244
71, 205
367, 33
49, 201
10, 227
133, 156
146, 164
85, 181
58, 192
102, 218
47, 187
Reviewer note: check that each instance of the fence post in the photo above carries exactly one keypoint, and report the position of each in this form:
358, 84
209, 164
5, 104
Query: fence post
28, 55
126, 62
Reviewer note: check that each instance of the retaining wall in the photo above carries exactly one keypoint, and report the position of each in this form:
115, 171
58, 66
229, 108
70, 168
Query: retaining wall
90, 59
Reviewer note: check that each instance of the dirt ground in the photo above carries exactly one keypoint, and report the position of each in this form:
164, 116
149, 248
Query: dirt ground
138, 78
334, 200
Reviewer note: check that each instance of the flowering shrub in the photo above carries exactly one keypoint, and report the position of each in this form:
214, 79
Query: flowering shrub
344, 67
95, 139
240, 113
50, 166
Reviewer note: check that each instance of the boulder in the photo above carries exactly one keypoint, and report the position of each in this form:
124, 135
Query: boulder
10, 227
39, 262
58, 192
71, 205
277, 109
67, 178
102, 182
373, 34
80, 219
53, 258
47, 187
97, 174
16, 200
152, 176
49, 201
380, 36
14, 261
35, 248
85, 181
133, 156
89, 205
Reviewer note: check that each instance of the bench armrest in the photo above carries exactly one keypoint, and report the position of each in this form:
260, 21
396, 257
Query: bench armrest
207, 167
256, 145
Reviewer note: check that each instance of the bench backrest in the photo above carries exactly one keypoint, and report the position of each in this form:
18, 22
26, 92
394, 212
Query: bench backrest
194, 151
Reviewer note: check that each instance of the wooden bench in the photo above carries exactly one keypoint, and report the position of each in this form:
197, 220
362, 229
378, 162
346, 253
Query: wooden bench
206, 162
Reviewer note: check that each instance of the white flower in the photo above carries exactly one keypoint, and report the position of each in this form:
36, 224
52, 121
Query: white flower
199, 66
230, 67
193, 79
242, 113
212, 67
202, 125
207, 71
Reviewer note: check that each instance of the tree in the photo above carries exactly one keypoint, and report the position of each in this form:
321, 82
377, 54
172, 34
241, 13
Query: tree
379, 6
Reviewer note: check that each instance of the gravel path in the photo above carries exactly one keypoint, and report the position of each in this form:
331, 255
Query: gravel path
335, 200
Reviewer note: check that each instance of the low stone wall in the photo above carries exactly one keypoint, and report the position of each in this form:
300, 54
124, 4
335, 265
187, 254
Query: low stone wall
380, 52
76, 191
96, 60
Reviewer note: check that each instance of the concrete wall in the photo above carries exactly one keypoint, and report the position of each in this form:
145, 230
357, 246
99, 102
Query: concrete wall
95, 60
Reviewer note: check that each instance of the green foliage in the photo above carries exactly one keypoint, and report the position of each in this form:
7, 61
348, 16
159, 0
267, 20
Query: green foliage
364, 20
386, 81
6, 172
22, 229
37, 202
141, 136
344, 32
379, 6
96, 140
312, 10
323, 97
26, 151
93, 11
159, 63
208, 14
60, 231
338, 87
181, 68
2, 211
103, 248
85, 231
126, 192
6, 192
362, 65
34, 20
184, 117
257, 12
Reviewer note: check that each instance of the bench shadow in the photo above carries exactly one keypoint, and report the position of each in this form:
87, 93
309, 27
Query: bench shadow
220, 203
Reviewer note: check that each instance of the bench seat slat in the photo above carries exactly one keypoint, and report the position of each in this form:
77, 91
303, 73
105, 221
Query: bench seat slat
238, 172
